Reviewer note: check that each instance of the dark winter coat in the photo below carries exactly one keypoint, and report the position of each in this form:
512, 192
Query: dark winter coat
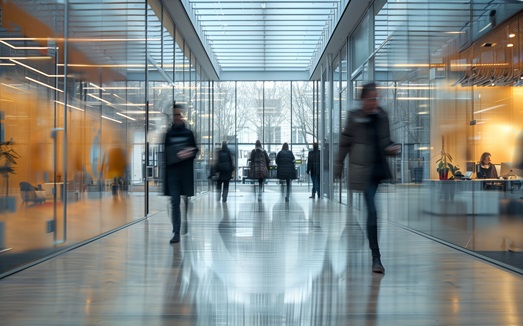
313, 162
224, 165
286, 167
259, 164
366, 156
180, 175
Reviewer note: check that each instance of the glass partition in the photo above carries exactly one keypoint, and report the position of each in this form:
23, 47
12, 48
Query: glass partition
81, 122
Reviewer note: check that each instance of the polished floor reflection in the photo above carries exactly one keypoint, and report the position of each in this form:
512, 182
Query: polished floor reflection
245, 262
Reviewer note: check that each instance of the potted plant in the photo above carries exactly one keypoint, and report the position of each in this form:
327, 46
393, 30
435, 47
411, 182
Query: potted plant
444, 162
8, 158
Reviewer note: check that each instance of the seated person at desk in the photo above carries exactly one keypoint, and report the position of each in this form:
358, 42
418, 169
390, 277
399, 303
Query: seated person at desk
486, 170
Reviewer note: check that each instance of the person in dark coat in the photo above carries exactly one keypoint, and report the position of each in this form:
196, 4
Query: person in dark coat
366, 139
224, 167
286, 167
179, 177
313, 168
259, 167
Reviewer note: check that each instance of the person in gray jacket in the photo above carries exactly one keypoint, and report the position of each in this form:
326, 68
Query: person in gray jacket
366, 139
286, 167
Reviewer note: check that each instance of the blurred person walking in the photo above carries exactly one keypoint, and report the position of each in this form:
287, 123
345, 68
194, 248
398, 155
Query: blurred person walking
366, 139
180, 151
313, 168
224, 168
259, 167
286, 168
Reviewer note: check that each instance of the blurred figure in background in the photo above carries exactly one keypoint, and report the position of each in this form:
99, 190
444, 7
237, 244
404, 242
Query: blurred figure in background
180, 150
259, 167
366, 139
313, 168
224, 168
286, 168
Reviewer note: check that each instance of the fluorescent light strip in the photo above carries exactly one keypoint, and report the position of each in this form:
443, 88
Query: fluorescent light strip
6, 64
143, 112
103, 116
100, 99
490, 108
80, 65
14, 87
44, 84
25, 47
27, 58
96, 86
402, 87
34, 69
113, 88
70, 106
123, 115
77, 39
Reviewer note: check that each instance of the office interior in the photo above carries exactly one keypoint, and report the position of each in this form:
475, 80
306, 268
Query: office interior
86, 91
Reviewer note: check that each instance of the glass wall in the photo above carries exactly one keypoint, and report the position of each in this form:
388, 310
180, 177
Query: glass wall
86, 91
450, 89
272, 112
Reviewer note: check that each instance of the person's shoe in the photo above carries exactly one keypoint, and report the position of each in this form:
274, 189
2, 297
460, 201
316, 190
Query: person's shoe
312, 196
377, 267
287, 199
175, 238
224, 200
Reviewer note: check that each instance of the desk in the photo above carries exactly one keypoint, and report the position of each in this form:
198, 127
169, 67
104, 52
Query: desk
462, 197
50, 188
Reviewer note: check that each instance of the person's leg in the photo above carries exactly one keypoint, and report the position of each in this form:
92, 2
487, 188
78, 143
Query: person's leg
175, 214
372, 225
288, 181
219, 189
313, 187
260, 188
225, 190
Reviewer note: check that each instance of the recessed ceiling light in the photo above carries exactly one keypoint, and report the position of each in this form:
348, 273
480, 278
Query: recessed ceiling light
511, 35
510, 45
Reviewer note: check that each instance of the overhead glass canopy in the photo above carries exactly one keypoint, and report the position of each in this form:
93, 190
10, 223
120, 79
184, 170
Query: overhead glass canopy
264, 35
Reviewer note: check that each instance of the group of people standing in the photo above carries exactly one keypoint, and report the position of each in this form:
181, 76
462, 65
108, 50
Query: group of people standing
365, 139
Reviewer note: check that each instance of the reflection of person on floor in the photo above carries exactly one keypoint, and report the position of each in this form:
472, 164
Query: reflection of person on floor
179, 176
366, 139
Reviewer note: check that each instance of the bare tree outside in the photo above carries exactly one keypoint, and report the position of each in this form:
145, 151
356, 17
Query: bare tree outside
303, 110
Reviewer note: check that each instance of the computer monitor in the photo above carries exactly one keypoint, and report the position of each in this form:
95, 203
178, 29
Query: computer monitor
507, 170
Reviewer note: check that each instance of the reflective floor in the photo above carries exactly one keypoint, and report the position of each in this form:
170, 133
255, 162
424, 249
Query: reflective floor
245, 262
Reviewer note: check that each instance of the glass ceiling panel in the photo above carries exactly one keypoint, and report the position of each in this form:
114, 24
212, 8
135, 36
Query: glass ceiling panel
264, 35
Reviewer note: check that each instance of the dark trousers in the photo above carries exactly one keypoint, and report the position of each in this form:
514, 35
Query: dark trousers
288, 182
176, 213
315, 183
225, 189
372, 217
